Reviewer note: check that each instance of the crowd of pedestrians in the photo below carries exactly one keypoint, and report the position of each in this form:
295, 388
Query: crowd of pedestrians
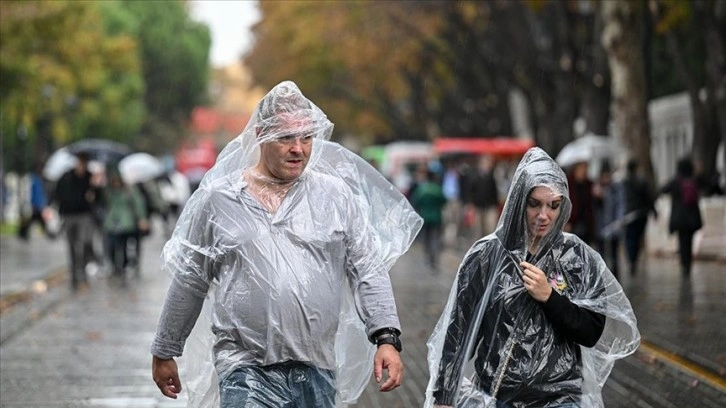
610, 212
102, 218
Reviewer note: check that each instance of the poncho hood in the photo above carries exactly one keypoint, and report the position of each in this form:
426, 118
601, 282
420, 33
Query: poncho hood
536, 169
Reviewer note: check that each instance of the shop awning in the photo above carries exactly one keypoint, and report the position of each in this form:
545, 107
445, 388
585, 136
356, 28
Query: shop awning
498, 146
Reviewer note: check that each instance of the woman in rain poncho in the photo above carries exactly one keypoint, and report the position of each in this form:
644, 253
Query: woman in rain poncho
534, 318
291, 237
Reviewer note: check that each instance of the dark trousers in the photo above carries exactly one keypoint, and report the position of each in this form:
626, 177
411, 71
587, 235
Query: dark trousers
610, 251
432, 242
633, 238
118, 252
26, 223
79, 230
685, 250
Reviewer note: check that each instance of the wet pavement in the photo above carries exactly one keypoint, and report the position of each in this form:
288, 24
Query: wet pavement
90, 349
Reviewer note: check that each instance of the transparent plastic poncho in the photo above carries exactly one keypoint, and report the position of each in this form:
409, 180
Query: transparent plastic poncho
268, 277
493, 345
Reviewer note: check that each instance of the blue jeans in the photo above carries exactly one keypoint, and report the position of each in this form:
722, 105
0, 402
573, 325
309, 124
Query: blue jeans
500, 404
290, 384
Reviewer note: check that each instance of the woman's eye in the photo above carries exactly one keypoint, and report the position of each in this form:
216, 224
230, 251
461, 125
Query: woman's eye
533, 203
555, 205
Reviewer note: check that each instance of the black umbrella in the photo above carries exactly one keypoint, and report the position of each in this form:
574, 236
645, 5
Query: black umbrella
101, 150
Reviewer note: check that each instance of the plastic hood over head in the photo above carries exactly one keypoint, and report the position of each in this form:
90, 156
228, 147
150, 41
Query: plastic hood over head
536, 169
494, 342
283, 113
280, 283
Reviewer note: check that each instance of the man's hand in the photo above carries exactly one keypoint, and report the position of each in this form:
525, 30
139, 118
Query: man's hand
387, 357
166, 376
535, 281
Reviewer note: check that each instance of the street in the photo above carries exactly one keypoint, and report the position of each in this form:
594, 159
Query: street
90, 349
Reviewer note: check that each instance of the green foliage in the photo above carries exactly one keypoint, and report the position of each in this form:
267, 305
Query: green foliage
175, 53
62, 78
76, 69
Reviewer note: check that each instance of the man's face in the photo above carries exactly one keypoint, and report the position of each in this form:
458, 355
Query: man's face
543, 208
286, 156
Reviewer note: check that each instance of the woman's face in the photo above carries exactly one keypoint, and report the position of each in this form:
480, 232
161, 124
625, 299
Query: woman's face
543, 208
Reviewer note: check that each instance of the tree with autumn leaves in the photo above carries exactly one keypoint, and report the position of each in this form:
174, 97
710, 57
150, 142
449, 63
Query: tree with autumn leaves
121, 70
417, 70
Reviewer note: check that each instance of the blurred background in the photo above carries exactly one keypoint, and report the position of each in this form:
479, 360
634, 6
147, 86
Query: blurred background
163, 78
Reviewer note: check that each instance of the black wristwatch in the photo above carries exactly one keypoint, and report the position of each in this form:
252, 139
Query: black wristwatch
388, 336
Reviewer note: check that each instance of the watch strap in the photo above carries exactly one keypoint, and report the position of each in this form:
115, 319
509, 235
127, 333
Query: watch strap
385, 330
389, 338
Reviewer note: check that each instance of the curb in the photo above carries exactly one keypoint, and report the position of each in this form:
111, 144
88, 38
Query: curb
685, 362
54, 278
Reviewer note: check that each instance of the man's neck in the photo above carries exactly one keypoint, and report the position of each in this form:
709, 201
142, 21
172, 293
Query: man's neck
267, 190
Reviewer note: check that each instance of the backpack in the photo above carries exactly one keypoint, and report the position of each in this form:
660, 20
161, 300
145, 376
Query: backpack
689, 192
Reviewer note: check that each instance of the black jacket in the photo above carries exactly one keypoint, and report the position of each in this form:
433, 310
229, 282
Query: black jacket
683, 218
71, 194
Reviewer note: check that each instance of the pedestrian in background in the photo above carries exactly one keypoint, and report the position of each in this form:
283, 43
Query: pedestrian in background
685, 217
534, 317
451, 187
75, 198
125, 215
582, 219
281, 227
429, 201
38, 206
483, 196
154, 205
609, 213
639, 203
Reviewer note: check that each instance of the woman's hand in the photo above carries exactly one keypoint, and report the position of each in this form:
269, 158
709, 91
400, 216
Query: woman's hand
535, 281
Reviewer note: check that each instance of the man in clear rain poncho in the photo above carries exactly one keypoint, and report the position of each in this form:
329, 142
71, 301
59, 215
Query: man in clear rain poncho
534, 317
292, 238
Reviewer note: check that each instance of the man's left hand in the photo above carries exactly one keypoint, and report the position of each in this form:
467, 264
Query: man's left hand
388, 358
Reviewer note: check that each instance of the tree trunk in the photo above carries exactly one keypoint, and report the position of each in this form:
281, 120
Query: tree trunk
712, 14
622, 40
596, 92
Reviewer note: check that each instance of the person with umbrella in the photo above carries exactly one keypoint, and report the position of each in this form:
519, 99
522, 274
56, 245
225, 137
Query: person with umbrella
125, 216
75, 197
534, 317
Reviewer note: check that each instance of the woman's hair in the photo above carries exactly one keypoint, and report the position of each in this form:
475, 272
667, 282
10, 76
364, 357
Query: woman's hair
684, 168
